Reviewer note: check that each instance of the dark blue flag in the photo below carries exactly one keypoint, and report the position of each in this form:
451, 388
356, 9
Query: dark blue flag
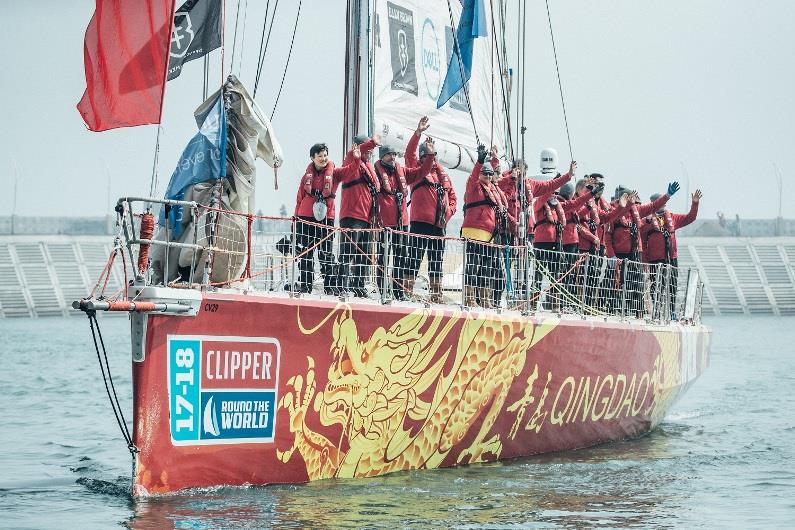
196, 32
471, 26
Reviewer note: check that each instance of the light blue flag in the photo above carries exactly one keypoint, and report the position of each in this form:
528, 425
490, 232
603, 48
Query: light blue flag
459, 70
203, 159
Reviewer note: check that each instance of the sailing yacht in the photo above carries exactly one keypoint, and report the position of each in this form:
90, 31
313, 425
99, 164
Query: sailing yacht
237, 381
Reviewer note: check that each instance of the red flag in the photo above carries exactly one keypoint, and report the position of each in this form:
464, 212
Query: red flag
126, 54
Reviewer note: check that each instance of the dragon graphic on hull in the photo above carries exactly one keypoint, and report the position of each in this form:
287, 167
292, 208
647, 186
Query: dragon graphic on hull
407, 396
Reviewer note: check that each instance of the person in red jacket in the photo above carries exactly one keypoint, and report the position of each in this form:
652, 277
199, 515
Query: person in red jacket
314, 212
658, 233
485, 225
392, 206
358, 215
628, 247
570, 238
592, 217
433, 203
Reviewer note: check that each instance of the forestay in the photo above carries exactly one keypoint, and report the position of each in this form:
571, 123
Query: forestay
413, 41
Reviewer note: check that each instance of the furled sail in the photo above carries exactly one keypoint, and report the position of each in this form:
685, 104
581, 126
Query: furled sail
413, 41
230, 120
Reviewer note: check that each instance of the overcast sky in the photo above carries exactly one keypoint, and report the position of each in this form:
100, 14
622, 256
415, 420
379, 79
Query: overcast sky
654, 90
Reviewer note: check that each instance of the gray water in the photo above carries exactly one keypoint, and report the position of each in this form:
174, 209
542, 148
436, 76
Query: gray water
722, 459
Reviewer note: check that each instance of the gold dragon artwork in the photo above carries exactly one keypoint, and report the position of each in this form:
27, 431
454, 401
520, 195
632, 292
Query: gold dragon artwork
402, 398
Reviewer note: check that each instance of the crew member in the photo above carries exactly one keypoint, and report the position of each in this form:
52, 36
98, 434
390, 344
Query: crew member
314, 211
658, 233
358, 214
433, 203
485, 216
570, 237
393, 207
628, 247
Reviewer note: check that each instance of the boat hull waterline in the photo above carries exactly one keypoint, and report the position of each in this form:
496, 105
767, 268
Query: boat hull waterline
257, 390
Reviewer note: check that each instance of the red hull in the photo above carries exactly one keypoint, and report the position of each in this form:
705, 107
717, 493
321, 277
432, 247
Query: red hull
360, 390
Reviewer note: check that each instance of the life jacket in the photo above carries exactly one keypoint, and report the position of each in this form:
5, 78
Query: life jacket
665, 226
442, 200
558, 220
633, 226
328, 181
399, 194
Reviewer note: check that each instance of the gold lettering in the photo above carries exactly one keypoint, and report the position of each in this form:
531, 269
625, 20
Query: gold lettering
629, 395
574, 410
539, 417
637, 405
569, 381
605, 400
587, 398
620, 378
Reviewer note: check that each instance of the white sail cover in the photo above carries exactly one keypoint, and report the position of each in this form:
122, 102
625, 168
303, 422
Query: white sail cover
412, 42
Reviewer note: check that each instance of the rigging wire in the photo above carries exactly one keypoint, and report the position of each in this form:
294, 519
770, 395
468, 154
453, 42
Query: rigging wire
560, 85
505, 103
287, 64
242, 42
264, 49
234, 38
461, 69
153, 180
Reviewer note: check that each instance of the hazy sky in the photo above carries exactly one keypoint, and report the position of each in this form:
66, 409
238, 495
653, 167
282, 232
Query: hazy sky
651, 87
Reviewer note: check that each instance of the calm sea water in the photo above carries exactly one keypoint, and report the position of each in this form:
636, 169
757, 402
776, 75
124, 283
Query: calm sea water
723, 458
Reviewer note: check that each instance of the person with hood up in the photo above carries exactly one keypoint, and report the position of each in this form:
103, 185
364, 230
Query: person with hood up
433, 203
393, 207
314, 212
358, 215
658, 233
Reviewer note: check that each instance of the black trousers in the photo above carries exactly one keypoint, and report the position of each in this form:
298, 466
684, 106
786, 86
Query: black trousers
433, 246
307, 236
399, 250
355, 249
546, 259
570, 256
632, 282
673, 283
482, 264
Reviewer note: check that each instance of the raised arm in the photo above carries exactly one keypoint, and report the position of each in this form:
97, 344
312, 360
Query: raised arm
417, 172
576, 203
681, 220
541, 187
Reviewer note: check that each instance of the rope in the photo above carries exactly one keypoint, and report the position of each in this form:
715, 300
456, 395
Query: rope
289, 54
560, 85
147, 231
107, 378
264, 49
153, 180
461, 69
242, 41
234, 38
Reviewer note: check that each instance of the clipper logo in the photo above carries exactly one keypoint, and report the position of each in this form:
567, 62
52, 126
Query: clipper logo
402, 48
182, 35
222, 389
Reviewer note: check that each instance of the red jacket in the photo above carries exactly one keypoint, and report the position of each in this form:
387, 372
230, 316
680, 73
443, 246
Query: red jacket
324, 182
652, 233
533, 189
396, 182
597, 216
547, 218
570, 208
357, 199
481, 202
621, 236
424, 201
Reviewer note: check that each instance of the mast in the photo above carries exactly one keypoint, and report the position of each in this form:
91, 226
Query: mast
358, 97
